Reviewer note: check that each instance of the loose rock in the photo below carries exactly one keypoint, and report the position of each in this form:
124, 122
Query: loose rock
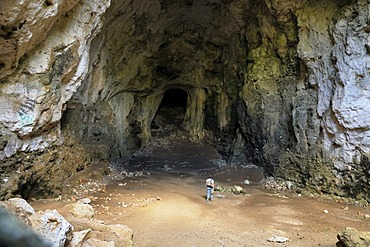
52, 227
81, 210
78, 238
14, 233
277, 239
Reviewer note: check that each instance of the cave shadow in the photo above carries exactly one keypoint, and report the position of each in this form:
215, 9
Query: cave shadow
170, 114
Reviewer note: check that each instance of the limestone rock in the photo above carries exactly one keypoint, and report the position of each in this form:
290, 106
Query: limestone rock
278, 239
60, 56
236, 189
26, 24
52, 227
22, 205
78, 238
80, 210
121, 230
121, 235
15, 233
350, 237
20, 208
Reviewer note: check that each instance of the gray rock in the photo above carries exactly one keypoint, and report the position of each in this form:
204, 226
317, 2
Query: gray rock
246, 181
277, 239
81, 210
14, 233
78, 238
236, 189
350, 237
12, 146
52, 227
20, 208
23, 205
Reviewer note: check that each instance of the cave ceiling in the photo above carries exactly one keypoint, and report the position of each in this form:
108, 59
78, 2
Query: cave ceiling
154, 45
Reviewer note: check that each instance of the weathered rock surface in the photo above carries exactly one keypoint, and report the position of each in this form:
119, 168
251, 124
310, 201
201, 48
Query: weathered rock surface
52, 227
281, 84
57, 230
333, 132
350, 237
13, 233
78, 238
25, 24
120, 235
19, 207
80, 210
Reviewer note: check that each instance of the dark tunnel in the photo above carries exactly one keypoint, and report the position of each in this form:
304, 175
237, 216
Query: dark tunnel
171, 111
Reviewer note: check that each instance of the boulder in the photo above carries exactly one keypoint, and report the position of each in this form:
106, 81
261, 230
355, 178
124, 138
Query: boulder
236, 189
52, 227
22, 204
20, 208
121, 235
351, 237
15, 233
78, 238
81, 210
121, 230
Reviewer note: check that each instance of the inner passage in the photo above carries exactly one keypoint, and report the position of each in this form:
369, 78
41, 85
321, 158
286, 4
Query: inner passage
171, 111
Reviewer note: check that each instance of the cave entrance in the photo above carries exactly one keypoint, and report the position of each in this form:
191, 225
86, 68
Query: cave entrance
171, 112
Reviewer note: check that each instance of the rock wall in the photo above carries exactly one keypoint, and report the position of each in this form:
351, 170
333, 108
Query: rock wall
281, 84
304, 113
44, 57
336, 58
162, 45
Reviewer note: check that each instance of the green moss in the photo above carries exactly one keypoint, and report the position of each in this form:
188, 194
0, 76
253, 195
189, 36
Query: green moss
319, 175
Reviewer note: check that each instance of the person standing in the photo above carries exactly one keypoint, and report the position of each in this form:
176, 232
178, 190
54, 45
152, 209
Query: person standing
210, 183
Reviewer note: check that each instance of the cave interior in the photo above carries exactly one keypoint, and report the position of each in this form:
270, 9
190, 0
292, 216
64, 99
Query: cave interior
181, 64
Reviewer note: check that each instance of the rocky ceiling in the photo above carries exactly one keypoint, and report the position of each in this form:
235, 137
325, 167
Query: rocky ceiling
147, 47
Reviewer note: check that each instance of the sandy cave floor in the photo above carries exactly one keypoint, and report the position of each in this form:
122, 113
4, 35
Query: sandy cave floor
165, 204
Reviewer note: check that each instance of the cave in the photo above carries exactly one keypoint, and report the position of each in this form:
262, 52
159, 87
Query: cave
278, 86
171, 110
248, 69
259, 80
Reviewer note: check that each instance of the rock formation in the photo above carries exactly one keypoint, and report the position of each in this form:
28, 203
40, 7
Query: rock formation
50, 228
351, 237
282, 84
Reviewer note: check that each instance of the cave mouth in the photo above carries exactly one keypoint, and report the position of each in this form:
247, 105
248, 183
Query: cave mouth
171, 111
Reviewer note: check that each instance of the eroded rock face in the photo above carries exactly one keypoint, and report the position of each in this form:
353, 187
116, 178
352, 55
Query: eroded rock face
285, 82
50, 228
53, 46
335, 58
352, 237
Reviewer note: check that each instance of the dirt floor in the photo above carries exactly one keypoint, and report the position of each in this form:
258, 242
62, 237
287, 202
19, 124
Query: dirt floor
163, 201
162, 198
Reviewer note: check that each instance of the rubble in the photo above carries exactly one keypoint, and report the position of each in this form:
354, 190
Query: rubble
76, 228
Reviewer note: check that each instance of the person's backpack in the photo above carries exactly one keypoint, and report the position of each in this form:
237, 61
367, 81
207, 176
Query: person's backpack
210, 182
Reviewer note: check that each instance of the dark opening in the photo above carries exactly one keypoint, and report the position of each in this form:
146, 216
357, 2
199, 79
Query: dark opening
174, 97
171, 111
